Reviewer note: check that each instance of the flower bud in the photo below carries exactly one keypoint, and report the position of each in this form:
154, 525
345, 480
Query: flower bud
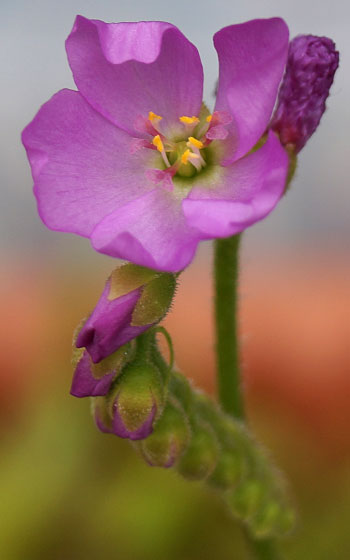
85, 383
246, 500
311, 65
272, 520
201, 456
135, 401
229, 470
91, 380
231, 465
134, 299
170, 437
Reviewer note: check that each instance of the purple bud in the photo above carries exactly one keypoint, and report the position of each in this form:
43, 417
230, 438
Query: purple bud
133, 404
171, 435
109, 325
85, 384
311, 65
133, 300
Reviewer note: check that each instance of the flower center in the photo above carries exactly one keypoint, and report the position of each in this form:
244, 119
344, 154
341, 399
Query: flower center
187, 154
183, 157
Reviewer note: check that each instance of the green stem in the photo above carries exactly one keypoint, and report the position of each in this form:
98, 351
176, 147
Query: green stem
262, 549
227, 352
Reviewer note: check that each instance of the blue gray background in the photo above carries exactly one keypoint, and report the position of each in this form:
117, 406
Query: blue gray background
34, 66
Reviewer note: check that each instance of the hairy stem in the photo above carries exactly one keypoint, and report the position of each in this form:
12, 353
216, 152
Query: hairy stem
227, 354
227, 351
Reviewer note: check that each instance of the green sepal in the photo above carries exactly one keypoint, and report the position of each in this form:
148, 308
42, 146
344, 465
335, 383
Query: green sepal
201, 456
170, 437
129, 277
272, 519
154, 301
137, 389
246, 500
99, 407
77, 353
180, 387
293, 163
229, 470
113, 362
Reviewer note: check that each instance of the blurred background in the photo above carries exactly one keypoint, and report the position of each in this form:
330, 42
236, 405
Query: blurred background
70, 492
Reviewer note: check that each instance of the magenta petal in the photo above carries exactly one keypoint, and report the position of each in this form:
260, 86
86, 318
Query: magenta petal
84, 384
101, 425
249, 189
150, 231
126, 70
109, 325
252, 58
82, 165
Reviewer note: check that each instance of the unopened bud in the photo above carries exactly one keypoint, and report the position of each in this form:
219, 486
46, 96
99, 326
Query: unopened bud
134, 299
311, 65
91, 380
170, 437
231, 465
229, 470
273, 519
246, 500
135, 401
85, 384
201, 456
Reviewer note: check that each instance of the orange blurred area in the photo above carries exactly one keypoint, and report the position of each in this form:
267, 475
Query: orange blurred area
295, 332
70, 489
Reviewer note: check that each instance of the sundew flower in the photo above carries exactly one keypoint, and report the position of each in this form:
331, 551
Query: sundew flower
134, 160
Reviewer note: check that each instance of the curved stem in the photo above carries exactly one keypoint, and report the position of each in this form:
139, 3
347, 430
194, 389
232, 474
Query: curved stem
227, 354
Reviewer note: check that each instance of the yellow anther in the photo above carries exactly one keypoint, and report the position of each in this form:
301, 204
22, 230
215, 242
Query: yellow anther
189, 120
189, 156
157, 142
209, 117
184, 157
153, 117
197, 143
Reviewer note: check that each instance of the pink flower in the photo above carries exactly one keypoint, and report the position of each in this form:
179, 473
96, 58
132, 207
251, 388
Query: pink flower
135, 162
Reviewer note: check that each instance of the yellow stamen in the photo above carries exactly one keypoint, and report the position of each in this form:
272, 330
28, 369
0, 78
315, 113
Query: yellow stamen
197, 143
184, 157
189, 120
153, 117
157, 142
209, 117
189, 156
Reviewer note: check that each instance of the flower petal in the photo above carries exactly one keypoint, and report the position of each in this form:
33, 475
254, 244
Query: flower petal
109, 325
82, 165
126, 70
252, 58
84, 384
150, 231
250, 188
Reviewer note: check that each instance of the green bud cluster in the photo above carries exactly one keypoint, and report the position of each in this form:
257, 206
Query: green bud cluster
224, 454
173, 425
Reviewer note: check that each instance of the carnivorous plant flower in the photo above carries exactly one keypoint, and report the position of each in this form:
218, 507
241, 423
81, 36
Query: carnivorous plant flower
136, 162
